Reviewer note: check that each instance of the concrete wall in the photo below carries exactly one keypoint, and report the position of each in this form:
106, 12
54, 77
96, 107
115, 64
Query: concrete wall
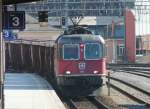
145, 42
111, 53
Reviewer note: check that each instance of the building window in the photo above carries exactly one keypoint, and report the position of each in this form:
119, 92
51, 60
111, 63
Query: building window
120, 50
139, 46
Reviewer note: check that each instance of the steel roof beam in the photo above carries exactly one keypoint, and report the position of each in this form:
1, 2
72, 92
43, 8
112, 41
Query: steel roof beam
9, 2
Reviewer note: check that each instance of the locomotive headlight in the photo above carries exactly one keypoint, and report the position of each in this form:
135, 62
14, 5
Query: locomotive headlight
68, 72
95, 72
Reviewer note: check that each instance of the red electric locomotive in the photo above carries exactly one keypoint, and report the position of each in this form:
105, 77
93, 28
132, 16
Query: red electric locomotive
79, 58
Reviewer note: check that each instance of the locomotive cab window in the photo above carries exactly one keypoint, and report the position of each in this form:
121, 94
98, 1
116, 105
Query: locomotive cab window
71, 51
60, 52
93, 51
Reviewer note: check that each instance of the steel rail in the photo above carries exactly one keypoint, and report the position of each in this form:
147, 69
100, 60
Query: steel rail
130, 65
136, 68
127, 93
134, 71
71, 103
128, 68
137, 73
145, 72
99, 104
131, 85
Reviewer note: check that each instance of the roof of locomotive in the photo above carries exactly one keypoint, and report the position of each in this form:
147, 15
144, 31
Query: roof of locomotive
80, 38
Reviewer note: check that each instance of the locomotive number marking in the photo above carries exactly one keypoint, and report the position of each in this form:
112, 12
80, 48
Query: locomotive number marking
82, 66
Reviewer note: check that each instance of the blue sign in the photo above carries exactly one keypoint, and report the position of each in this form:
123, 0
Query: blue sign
119, 31
14, 20
9, 35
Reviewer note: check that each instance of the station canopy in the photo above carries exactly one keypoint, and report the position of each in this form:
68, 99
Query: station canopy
57, 8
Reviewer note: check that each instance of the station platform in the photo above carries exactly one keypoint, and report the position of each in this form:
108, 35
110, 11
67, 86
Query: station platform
29, 91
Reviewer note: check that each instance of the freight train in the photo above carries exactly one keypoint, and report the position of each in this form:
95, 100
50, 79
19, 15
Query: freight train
79, 58
76, 60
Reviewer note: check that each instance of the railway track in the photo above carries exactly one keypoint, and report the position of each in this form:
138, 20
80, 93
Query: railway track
99, 104
135, 68
141, 67
147, 75
145, 72
85, 103
129, 65
135, 93
70, 104
136, 71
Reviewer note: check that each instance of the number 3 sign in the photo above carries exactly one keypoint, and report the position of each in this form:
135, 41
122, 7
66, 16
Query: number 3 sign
15, 20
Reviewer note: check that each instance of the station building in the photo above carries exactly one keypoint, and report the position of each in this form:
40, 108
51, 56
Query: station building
105, 18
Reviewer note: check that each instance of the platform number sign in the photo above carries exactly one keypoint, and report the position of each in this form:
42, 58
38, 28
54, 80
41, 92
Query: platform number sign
15, 20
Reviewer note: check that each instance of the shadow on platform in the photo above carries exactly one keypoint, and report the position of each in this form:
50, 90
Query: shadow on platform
25, 81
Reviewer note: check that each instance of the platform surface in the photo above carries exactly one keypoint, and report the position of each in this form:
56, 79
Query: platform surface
29, 91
